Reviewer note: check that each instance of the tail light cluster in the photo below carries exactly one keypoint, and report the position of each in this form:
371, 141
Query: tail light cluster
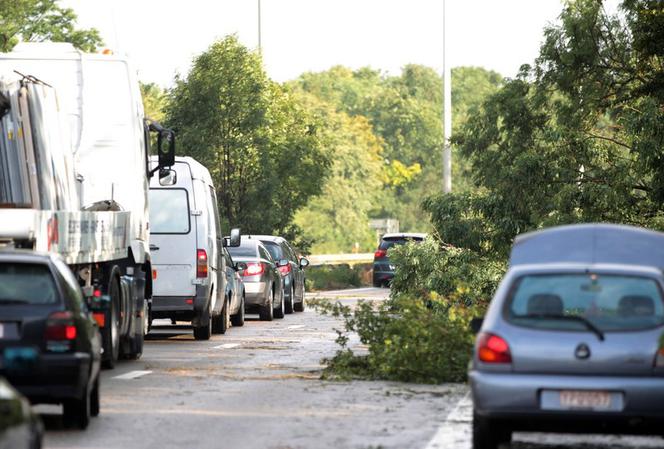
493, 349
254, 268
60, 331
285, 270
659, 357
201, 263
380, 253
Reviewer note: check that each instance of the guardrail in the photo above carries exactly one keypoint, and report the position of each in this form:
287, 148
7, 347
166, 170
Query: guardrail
338, 259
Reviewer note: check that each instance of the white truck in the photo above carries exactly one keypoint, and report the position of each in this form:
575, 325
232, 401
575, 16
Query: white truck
74, 178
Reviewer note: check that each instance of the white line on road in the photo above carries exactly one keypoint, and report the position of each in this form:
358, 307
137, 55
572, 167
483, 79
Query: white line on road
455, 430
296, 326
227, 346
132, 375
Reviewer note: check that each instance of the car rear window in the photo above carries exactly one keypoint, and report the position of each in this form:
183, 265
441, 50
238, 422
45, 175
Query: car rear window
609, 302
247, 248
26, 284
169, 211
275, 250
390, 242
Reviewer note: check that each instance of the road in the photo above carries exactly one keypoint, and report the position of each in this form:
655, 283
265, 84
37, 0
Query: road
259, 386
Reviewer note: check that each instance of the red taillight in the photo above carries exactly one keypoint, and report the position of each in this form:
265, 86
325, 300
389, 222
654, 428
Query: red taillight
285, 270
659, 358
493, 349
201, 264
60, 326
253, 269
380, 253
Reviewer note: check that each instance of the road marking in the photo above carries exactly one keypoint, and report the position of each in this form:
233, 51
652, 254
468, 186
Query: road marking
455, 430
132, 375
296, 326
227, 346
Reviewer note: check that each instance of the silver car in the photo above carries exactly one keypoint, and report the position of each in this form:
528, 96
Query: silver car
263, 286
572, 340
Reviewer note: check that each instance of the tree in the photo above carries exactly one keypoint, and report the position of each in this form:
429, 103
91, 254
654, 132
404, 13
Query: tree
155, 100
42, 20
261, 146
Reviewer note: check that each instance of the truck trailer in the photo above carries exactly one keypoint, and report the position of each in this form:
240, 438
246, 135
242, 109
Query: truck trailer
74, 178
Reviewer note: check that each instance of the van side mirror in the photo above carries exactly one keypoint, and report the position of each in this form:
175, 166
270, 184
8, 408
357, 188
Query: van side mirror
167, 177
304, 262
476, 324
235, 239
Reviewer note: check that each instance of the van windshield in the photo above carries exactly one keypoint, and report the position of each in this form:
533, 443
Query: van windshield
169, 211
565, 301
26, 284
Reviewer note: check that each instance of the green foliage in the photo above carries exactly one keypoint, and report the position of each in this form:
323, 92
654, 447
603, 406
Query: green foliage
261, 145
155, 100
42, 20
333, 277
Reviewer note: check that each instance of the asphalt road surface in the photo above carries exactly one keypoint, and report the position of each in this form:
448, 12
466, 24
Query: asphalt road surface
259, 386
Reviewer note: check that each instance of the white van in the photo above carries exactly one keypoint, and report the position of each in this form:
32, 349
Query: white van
186, 243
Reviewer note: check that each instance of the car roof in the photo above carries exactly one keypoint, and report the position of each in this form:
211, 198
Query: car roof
269, 238
26, 256
396, 235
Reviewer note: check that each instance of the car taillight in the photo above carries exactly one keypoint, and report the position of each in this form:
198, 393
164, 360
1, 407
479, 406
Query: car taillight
493, 349
201, 264
380, 253
60, 327
285, 270
659, 357
254, 268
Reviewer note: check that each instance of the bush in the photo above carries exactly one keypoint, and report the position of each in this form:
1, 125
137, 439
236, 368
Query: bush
331, 277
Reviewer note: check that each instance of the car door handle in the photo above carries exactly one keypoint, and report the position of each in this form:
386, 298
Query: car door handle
154, 248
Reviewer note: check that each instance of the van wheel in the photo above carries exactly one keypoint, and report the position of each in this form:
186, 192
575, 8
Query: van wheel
220, 322
204, 332
266, 312
238, 318
488, 434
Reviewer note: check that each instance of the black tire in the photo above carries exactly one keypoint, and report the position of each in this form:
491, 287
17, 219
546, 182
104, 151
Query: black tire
111, 332
280, 311
266, 312
291, 301
238, 318
94, 398
299, 306
489, 434
204, 332
77, 412
220, 323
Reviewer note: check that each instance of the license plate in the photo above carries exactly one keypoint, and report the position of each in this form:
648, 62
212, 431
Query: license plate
589, 400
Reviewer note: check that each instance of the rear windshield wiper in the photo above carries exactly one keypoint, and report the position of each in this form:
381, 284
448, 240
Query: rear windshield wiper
577, 318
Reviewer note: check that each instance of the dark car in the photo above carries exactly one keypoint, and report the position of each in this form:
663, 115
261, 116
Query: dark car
20, 428
50, 343
291, 268
383, 269
263, 286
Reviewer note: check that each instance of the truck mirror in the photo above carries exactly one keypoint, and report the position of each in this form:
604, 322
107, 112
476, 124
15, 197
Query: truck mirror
167, 177
235, 239
166, 148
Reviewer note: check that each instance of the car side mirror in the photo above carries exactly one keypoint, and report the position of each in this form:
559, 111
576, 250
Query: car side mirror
304, 262
282, 262
240, 266
476, 324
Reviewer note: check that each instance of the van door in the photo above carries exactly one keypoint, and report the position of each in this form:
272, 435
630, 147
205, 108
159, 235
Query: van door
173, 240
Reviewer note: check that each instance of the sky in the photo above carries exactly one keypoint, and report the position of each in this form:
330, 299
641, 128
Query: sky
163, 36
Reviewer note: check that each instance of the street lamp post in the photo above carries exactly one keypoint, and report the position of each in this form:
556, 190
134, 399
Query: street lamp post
447, 113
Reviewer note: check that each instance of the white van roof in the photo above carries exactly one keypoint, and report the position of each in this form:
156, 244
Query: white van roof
198, 170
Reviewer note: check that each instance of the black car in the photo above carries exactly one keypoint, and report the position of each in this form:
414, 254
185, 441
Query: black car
20, 428
383, 269
291, 268
50, 343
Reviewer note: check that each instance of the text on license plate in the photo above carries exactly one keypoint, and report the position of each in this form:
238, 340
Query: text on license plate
596, 400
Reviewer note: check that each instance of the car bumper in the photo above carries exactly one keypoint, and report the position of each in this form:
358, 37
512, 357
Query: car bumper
52, 377
522, 399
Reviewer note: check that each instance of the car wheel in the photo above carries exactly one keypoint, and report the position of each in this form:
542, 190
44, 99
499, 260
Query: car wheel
280, 311
291, 301
299, 306
111, 333
238, 318
76, 412
220, 323
489, 434
94, 398
204, 332
266, 312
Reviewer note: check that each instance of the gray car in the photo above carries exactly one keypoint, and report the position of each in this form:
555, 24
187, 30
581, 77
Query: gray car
291, 268
263, 286
572, 340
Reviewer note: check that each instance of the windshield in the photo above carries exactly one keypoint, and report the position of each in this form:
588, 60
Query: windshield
169, 211
389, 243
247, 248
607, 302
26, 284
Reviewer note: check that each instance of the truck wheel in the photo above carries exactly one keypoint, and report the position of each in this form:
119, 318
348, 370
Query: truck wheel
238, 318
94, 398
220, 323
136, 341
204, 332
291, 302
111, 332
266, 312
488, 434
76, 412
